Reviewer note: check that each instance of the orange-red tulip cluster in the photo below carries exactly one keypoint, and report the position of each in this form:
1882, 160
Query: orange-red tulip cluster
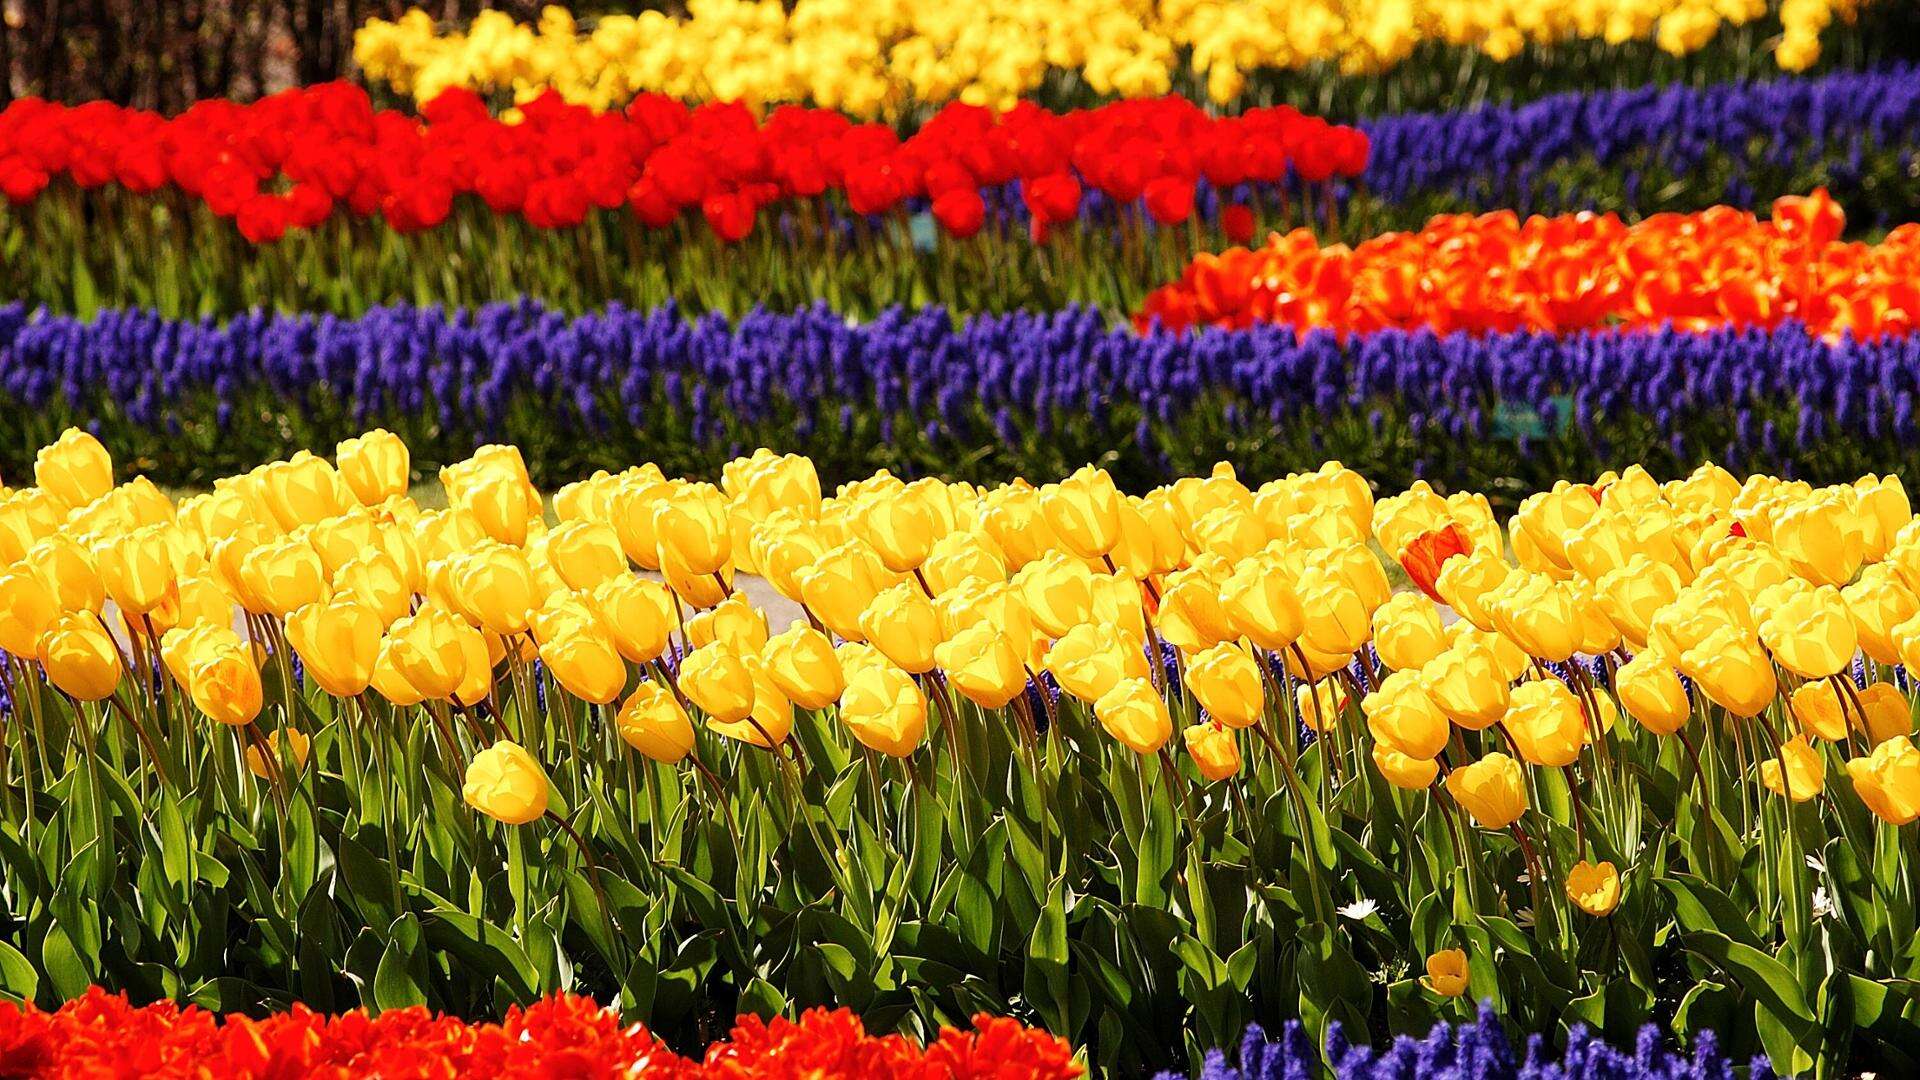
1497, 273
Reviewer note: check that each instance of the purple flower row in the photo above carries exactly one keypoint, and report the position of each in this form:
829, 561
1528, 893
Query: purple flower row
1477, 1051
918, 385
1825, 129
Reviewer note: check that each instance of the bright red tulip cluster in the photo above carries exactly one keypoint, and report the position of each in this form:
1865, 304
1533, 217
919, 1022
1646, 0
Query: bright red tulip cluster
1496, 273
101, 1035
293, 159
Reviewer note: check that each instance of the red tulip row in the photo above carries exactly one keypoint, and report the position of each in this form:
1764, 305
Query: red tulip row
292, 160
102, 1035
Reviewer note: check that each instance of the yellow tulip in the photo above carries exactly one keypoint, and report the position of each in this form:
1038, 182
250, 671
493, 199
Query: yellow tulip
375, 466
1058, 591
585, 553
1403, 718
652, 722
584, 662
1407, 632
717, 680
1134, 713
505, 783
802, 663
1265, 607
284, 744
1084, 512
67, 568
1467, 684
1594, 888
27, 607
431, 650
1804, 775
1493, 790
1809, 632
1214, 750
1446, 973
884, 710
224, 682
839, 587
1402, 771
1888, 780
902, 624
769, 721
338, 642
1650, 690
1089, 659
983, 664
1227, 683
79, 657
1547, 723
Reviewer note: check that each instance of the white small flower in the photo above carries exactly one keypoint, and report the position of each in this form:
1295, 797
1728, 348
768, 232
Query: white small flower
1814, 864
1822, 903
1359, 909
1524, 918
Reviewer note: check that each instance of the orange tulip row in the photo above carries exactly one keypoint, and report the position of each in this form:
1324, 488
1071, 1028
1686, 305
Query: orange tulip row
1497, 273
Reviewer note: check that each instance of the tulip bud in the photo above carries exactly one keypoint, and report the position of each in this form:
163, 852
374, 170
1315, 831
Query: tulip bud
1650, 691
282, 576
1214, 750
983, 664
1594, 889
505, 783
26, 518
584, 662
884, 710
1446, 970
1403, 718
1537, 613
801, 662
1402, 771
1795, 770
1888, 780
286, 744
1493, 790
1465, 582
1227, 684
901, 623
79, 656
1407, 632
75, 469
652, 722
1134, 713
431, 650
1084, 512
338, 642
389, 683
1547, 723
27, 607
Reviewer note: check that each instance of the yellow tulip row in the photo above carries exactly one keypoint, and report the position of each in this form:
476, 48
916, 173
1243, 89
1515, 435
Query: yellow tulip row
1762, 592
873, 60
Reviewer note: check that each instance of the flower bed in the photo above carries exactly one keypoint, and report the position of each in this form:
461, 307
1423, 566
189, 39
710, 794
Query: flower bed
100, 1034
1496, 273
1137, 769
896, 61
314, 201
992, 397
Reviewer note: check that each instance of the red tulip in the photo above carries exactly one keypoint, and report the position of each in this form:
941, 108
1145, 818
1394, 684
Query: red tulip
1427, 553
961, 212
